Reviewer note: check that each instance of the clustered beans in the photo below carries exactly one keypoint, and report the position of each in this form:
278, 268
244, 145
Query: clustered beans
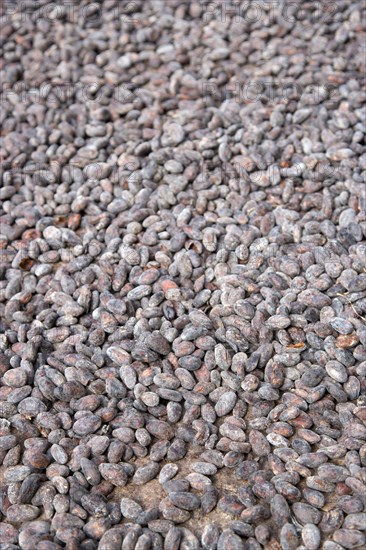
183, 276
